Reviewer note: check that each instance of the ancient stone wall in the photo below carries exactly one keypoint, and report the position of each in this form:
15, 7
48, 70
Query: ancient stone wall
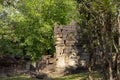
67, 46
12, 65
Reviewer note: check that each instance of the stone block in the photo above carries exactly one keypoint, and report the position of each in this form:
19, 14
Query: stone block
58, 39
70, 42
60, 43
58, 36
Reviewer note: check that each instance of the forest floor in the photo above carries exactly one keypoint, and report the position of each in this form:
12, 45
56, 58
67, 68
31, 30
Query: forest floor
80, 76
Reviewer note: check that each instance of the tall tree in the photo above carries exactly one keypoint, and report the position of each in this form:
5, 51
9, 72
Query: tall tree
98, 19
32, 22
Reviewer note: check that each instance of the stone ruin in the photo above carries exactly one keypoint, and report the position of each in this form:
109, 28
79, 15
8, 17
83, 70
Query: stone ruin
13, 65
65, 44
69, 53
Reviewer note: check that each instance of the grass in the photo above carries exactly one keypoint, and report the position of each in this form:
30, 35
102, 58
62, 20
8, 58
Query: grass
79, 76
73, 77
20, 77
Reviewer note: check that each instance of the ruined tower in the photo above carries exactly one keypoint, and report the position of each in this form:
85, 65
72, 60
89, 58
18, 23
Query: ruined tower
66, 40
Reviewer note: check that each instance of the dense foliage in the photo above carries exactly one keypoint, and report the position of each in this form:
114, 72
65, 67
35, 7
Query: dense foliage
26, 26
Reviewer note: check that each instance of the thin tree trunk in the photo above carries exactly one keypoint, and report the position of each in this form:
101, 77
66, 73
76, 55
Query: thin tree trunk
117, 76
110, 71
118, 70
118, 60
90, 73
90, 65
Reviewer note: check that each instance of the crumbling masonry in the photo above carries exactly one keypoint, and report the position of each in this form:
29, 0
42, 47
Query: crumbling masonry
68, 49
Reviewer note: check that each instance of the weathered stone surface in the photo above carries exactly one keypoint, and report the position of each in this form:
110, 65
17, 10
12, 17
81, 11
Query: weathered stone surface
60, 62
66, 41
3, 75
12, 65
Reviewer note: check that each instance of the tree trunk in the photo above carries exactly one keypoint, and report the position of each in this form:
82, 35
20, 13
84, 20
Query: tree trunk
110, 71
118, 67
90, 73
91, 62
118, 60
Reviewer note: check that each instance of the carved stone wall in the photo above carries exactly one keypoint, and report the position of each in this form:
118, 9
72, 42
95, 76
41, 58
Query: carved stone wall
67, 46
